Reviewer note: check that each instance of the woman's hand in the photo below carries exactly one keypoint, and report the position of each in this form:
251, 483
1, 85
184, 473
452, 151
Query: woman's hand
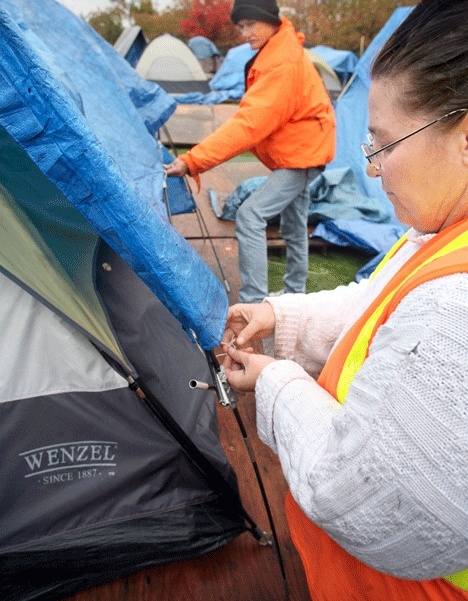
247, 322
176, 169
242, 368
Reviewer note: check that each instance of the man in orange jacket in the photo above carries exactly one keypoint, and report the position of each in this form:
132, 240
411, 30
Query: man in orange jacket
286, 120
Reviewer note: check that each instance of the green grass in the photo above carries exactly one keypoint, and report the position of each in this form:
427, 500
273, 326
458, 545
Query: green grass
245, 157
325, 272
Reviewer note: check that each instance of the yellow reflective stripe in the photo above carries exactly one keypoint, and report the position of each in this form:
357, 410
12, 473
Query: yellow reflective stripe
459, 579
358, 351
388, 256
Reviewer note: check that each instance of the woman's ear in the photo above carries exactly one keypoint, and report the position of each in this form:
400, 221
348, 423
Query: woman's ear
464, 139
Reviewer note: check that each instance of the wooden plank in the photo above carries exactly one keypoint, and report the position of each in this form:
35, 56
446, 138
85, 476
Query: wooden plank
190, 123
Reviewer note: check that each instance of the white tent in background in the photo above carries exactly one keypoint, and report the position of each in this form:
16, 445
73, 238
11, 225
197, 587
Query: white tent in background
170, 62
329, 76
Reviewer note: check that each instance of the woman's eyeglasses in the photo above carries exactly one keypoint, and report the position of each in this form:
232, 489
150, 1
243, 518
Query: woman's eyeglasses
371, 154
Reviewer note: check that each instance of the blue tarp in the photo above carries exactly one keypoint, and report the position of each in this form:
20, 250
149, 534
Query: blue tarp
333, 195
352, 118
202, 47
343, 62
88, 121
231, 74
373, 238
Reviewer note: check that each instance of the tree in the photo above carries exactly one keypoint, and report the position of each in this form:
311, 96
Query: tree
211, 18
155, 24
342, 24
146, 7
108, 23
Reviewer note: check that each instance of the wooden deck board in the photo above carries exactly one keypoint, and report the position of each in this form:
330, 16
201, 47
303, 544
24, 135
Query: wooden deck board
190, 123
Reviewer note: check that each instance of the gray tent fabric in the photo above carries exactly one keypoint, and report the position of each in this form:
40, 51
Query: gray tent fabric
97, 488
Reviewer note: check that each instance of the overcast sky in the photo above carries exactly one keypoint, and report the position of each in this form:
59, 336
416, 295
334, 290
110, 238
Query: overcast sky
84, 7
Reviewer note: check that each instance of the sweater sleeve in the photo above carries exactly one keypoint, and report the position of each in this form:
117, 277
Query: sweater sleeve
308, 325
385, 475
263, 109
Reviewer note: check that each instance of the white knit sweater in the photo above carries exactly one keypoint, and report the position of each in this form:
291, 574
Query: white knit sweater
385, 474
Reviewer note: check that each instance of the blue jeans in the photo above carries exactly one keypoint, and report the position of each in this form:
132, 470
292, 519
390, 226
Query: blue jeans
285, 192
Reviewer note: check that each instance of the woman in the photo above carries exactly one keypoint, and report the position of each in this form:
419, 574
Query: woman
378, 502
286, 119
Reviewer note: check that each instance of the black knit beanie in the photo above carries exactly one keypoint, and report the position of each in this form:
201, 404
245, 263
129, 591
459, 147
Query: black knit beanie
256, 10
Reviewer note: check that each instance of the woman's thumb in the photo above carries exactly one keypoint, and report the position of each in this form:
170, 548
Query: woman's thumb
237, 354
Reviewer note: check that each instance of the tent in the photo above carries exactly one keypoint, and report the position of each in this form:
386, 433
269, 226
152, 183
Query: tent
131, 43
110, 462
352, 117
170, 62
342, 62
206, 52
328, 75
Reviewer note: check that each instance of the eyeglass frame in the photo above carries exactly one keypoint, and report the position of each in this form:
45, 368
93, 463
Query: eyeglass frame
369, 146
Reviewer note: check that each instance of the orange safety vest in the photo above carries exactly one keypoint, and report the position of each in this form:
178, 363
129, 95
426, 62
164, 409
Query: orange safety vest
332, 573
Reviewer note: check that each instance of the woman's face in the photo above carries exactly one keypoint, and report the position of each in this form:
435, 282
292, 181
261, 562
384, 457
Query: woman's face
425, 176
256, 33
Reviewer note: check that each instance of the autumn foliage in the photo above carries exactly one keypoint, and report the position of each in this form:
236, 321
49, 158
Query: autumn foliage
341, 24
211, 18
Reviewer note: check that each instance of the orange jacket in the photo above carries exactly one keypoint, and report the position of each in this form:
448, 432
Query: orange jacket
285, 117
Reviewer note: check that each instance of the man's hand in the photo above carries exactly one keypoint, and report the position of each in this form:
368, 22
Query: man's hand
176, 169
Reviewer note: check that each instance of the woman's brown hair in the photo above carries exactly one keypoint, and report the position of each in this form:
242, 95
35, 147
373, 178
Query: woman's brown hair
429, 53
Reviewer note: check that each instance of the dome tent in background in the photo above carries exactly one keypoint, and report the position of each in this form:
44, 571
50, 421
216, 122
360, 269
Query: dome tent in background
169, 62
131, 43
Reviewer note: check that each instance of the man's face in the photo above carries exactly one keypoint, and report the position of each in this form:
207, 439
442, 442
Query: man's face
256, 33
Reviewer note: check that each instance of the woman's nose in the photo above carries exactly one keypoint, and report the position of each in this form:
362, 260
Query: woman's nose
372, 170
